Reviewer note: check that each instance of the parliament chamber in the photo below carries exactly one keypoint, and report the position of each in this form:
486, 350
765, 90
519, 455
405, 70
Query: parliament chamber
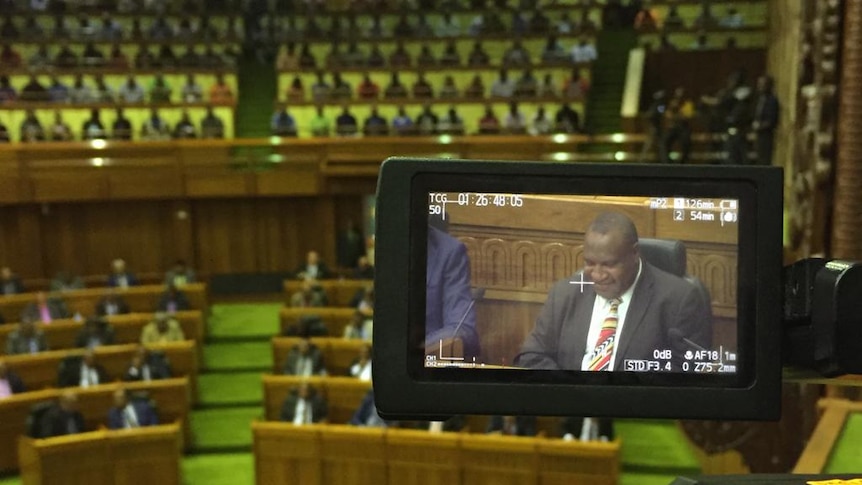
187, 221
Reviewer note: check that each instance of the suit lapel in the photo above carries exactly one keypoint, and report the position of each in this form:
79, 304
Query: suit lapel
641, 299
573, 338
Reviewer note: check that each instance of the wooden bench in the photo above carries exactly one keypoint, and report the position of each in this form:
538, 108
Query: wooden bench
343, 394
172, 397
338, 353
335, 318
142, 455
39, 371
338, 292
142, 299
61, 334
340, 454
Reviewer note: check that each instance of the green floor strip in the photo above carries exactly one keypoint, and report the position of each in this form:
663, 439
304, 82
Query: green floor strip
244, 320
243, 356
217, 429
655, 444
847, 454
240, 389
10, 481
646, 479
218, 469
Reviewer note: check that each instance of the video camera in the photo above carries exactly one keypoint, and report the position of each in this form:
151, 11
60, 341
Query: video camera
496, 282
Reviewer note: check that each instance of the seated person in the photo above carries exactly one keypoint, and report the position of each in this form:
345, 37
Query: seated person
449, 90
31, 128
478, 56
503, 87
542, 125
160, 91
375, 124
131, 411
58, 92
60, 130
367, 89
10, 383
82, 371
450, 56
96, 332
366, 414
310, 295
402, 124
147, 366
334, 58
587, 429
111, 304
354, 57
576, 87
553, 51
306, 58
66, 281
395, 88
341, 89
422, 89
584, 51
547, 89
361, 366
120, 277
360, 327
304, 359
313, 268
191, 91
162, 329
514, 122
673, 19
567, 120
130, 91
364, 270
345, 123
488, 123
426, 57
304, 405
93, 129
45, 309
705, 19
5, 137
527, 86
180, 274
451, 123
426, 122
517, 55
184, 129
296, 91
34, 91
512, 425
211, 125
283, 124
173, 300
309, 325
476, 89
63, 418
376, 59
399, 57
320, 124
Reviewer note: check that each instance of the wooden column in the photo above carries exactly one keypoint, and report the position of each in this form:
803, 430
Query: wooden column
847, 210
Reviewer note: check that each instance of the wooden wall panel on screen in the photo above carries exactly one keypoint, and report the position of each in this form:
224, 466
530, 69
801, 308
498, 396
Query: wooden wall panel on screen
21, 240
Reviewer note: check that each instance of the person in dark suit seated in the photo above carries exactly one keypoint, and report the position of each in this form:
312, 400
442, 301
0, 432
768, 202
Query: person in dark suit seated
309, 325
313, 268
310, 295
120, 277
587, 429
619, 307
96, 332
63, 418
45, 309
10, 383
82, 371
147, 366
131, 412
65, 281
173, 300
304, 405
26, 339
366, 414
111, 304
10, 283
304, 359
512, 425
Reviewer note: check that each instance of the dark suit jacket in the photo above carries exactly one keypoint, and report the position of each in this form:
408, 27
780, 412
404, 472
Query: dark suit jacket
318, 407
113, 281
318, 367
660, 302
70, 374
16, 385
766, 113
17, 344
16, 285
145, 414
55, 422
524, 425
56, 307
102, 305
322, 271
180, 301
103, 337
447, 293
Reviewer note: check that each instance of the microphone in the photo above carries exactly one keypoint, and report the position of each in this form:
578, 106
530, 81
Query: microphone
675, 334
476, 294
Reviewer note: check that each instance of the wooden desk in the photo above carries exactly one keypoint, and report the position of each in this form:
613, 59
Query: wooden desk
61, 334
343, 394
338, 353
338, 292
333, 453
140, 299
144, 455
172, 396
39, 371
335, 318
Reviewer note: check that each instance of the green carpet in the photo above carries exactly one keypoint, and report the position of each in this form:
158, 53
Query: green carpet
657, 445
646, 479
241, 388
218, 469
10, 481
847, 454
243, 320
224, 429
242, 356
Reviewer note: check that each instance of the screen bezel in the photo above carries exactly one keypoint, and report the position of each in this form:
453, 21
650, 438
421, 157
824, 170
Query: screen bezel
402, 227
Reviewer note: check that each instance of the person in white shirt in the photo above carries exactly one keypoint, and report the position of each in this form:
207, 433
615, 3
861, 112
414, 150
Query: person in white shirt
304, 405
584, 51
503, 87
131, 91
361, 367
192, 91
514, 122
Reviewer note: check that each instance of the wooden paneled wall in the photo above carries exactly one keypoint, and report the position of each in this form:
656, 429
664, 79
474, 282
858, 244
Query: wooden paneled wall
215, 236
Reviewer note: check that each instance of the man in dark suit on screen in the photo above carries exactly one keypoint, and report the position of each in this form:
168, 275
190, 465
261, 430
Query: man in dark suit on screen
619, 307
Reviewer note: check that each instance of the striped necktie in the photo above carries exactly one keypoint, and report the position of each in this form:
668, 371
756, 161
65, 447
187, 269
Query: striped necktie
604, 349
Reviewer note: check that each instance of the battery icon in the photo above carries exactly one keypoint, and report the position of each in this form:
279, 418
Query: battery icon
728, 205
